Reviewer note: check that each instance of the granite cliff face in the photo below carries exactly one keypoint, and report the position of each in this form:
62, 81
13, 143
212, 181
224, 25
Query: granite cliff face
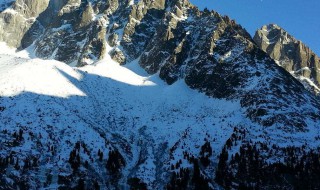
291, 54
16, 21
245, 120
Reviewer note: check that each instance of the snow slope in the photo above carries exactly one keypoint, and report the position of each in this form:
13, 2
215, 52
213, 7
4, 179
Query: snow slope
66, 105
111, 107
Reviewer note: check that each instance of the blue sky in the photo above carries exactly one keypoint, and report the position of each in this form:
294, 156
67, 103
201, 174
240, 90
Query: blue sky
301, 18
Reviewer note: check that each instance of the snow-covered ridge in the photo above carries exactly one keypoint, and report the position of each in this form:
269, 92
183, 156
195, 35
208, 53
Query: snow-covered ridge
109, 124
124, 102
107, 107
19, 75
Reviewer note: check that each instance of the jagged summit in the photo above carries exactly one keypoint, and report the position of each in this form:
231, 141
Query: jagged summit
291, 54
73, 31
271, 26
164, 96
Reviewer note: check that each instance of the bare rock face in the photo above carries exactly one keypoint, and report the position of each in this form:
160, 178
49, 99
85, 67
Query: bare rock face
65, 30
74, 31
118, 56
291, 54
16, 20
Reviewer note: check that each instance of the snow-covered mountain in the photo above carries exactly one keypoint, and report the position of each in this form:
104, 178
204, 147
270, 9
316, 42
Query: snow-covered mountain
167, 97
291, 54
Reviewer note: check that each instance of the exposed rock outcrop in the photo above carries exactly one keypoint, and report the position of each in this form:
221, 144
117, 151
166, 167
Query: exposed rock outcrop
291, 54
17, 20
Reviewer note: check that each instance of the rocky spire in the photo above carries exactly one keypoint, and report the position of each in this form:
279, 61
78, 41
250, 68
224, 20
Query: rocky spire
291, 54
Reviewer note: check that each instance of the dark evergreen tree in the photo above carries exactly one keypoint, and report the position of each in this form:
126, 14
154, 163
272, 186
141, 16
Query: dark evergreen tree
205, 154
81, 184
115, 162
137, 184
222, 170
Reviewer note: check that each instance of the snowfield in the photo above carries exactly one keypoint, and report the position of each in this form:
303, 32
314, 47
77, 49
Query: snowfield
107, 106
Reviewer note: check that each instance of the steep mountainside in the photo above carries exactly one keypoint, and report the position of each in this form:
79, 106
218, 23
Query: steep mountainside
291, 54
180, 99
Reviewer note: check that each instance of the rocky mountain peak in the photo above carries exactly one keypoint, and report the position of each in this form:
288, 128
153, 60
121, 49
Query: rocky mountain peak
272, 27
291, 54
161, 95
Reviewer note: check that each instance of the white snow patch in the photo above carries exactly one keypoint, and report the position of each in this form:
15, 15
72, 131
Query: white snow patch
18, 75
26, 53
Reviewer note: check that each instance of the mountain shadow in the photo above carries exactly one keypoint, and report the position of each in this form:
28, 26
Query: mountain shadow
104, 137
